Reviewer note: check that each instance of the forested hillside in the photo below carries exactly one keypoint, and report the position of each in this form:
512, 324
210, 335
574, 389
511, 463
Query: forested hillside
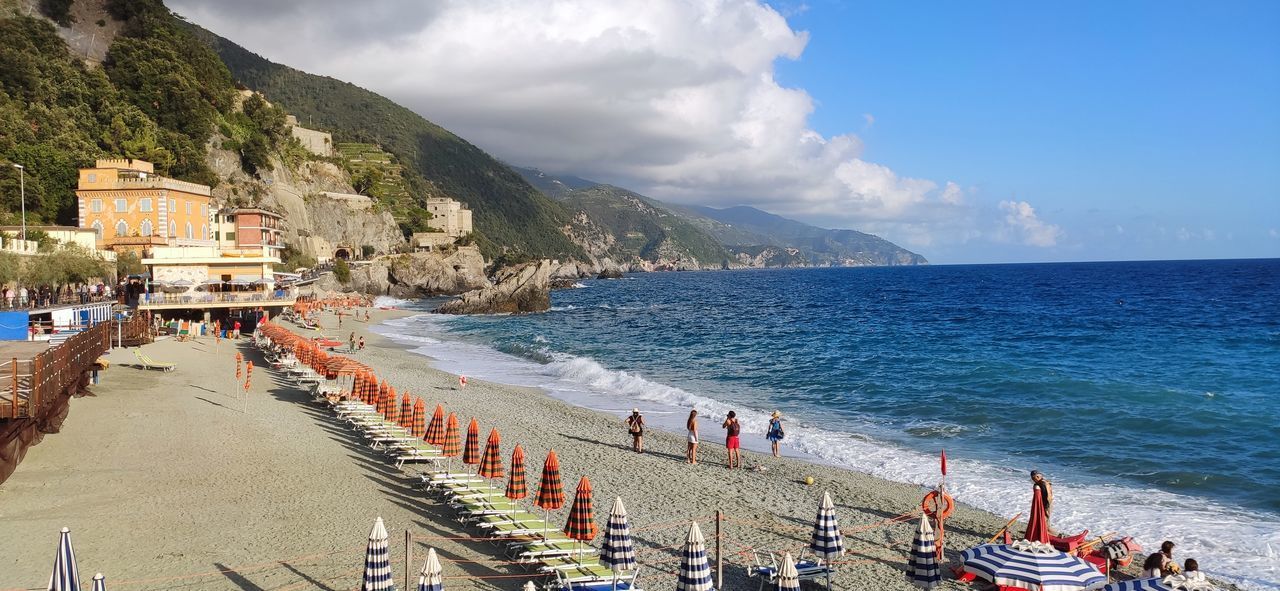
510, 215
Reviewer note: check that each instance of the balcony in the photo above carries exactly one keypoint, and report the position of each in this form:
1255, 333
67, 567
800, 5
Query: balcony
235, 299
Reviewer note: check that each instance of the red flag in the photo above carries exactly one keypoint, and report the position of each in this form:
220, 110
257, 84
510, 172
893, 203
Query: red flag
944, 462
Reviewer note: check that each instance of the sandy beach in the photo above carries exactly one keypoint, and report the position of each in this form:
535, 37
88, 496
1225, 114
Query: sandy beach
167, 483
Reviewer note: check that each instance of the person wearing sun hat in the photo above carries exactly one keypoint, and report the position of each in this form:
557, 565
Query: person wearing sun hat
635, 426
775, 433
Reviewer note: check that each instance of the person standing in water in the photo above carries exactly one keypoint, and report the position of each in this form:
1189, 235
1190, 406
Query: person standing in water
775, 433
691, 455
635, 426
731, 442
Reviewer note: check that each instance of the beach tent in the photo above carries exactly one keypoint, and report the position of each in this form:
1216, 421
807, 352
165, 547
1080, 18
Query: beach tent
922, 567
618, 552
516, 488
377, 561
695, 569
788, 576
65, 576
431, 578
1031, 565
491, 462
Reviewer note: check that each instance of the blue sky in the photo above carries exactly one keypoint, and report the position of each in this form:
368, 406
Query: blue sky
1143, 129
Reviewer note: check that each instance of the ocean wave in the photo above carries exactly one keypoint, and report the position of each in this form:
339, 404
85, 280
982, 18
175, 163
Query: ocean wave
1240, 545
383, 301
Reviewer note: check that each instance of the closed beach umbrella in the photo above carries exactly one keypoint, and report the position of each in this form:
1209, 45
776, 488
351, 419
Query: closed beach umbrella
788, 576
435, 430
406, 411
695, 570
529, 586
618, 553
452, 444
491, 463
1038, 522
393, 409
516, 488
550, 491
922, 567
99, 582
582, 519
471, 451
827, 543
1031, 566
417, 424
431, 578
1155, 584
66, 576
377, 561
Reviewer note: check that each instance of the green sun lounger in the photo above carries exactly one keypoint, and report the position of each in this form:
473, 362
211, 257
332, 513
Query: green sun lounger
149, 363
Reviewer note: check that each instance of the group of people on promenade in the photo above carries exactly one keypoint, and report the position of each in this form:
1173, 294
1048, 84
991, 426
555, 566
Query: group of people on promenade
39, 297
733, 433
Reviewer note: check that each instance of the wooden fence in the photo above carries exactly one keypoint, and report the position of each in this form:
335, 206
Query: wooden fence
30, 387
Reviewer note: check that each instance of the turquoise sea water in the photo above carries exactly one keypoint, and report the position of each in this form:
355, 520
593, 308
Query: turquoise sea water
1146, 391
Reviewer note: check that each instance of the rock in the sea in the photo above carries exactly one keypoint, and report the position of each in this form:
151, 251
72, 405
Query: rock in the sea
610, 273
515, 290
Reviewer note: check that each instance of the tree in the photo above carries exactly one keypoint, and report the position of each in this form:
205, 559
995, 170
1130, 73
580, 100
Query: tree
10, 267
342, 271
128, 263
58, 10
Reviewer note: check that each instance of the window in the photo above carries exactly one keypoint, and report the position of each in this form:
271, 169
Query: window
204, 211
229, 236
204, 231
122, 229
95, 206
173, 229
188, 208
93, 177
97, 229
144, 205
122, 206
190, 233
173, 205
146, 228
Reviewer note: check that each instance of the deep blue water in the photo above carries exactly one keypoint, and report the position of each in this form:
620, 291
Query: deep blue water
1130, 383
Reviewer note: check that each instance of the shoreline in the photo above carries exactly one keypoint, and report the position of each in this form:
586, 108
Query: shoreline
166, 484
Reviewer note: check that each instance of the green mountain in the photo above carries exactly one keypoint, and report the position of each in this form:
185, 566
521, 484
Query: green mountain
511, 217
553, 186
625, 226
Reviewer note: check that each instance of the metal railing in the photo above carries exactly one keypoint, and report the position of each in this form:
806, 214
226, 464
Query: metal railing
236, 297
30, 387
34, 301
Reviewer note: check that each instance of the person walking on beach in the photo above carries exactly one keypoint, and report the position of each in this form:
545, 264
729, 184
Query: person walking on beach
635, 426
691, 455
352, 340
731, 442
775, 433
1043, 488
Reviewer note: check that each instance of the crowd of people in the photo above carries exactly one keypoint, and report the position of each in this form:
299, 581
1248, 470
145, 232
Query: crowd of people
39, 297
733, 435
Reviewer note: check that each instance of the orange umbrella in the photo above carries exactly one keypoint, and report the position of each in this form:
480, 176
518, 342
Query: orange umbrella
419, 414
451, 446
491, 463
582, 521
516, 488
471, 451
435, 431
406, 411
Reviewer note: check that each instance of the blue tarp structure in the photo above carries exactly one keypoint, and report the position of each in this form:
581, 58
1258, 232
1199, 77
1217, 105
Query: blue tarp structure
15, 326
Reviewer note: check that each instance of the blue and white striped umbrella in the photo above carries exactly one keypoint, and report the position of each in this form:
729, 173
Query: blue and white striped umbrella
788, 576
618, 553
99, 582
922, 567
1155, 584
65, 577
695, 570
377, 561
1027, 569
432, 576
827, 542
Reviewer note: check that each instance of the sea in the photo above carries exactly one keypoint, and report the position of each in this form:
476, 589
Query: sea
1147, 392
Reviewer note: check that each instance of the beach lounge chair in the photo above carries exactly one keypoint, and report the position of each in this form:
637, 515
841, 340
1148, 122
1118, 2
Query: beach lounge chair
595, 577
149, 363
767, 566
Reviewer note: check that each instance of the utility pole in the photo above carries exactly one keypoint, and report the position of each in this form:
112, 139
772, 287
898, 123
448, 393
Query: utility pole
22, 188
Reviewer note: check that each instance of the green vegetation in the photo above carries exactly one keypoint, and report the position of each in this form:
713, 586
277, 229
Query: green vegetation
342, 271
378, 174
66, 265
510, 214
292, 259
128, 263
255, 131
643, 229
59, 11
10, 267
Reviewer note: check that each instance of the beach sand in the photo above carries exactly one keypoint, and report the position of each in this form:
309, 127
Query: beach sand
167, 484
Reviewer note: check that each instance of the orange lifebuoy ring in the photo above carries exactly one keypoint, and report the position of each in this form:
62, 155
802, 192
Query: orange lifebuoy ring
931, 500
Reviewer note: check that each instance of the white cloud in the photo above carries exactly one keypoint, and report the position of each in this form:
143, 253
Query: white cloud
1183, 234
1119, 229
1021, 221
672, 98
870, 119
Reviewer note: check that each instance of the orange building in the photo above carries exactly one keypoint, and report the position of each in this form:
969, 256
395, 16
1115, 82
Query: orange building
130, 207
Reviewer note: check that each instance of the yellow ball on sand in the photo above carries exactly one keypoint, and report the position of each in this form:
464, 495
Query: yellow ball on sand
808, 480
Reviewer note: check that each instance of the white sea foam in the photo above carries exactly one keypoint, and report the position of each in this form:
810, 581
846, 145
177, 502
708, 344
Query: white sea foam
1231, 542
383, 301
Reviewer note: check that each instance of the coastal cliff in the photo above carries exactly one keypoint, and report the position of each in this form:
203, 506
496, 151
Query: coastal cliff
516, 290
414, 275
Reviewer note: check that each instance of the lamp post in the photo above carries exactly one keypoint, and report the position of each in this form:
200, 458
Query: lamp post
22, 189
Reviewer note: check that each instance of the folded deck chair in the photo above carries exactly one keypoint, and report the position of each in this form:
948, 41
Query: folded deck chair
767, 567
595, 577
625, 582
149, 363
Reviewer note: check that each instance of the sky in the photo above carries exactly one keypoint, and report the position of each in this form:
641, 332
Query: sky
969, 132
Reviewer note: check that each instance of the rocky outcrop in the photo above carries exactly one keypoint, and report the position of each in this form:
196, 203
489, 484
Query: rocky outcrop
515, 290
419, 274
